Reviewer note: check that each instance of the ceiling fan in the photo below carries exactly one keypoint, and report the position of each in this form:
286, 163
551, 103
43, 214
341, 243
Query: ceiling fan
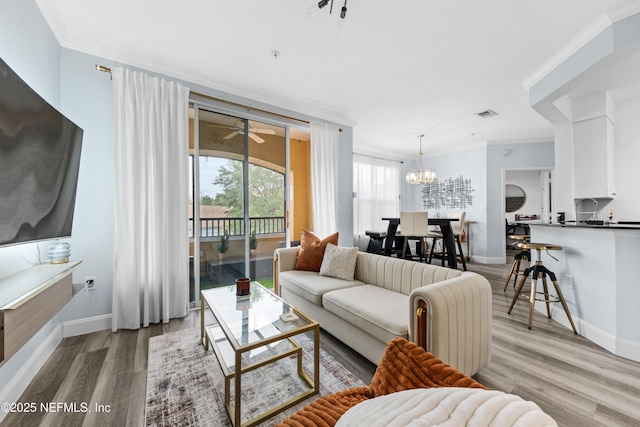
239, 129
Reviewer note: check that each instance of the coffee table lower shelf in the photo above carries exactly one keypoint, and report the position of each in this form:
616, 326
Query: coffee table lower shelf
235, 362
219, 343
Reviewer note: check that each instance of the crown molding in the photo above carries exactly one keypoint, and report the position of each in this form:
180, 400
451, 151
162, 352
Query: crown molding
604, 21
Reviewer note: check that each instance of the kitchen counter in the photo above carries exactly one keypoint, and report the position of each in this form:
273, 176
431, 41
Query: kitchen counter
613, 226
598, 271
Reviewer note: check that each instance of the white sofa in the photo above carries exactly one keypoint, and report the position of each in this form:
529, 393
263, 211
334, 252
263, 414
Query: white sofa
446, 311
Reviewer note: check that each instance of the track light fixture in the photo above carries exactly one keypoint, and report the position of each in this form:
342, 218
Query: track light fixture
315, 8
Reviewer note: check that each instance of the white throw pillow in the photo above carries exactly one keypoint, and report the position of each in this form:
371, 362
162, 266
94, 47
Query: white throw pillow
339, 262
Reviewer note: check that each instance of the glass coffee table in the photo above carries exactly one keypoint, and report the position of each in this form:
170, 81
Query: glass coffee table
253, 332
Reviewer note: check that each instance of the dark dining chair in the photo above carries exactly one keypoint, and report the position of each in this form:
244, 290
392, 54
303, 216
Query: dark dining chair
509, 230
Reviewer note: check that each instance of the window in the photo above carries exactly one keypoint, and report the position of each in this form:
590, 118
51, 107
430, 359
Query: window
376, 186
237, 199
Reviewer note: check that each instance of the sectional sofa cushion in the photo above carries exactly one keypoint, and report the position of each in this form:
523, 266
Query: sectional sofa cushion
378, 311
311, 286
312, 250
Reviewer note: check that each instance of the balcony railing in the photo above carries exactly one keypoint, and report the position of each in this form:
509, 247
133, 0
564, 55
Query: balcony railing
214, 227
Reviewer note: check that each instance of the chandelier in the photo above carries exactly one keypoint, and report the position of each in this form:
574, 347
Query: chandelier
315, 8
421, 176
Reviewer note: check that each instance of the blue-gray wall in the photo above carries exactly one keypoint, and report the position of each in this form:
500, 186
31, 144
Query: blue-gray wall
87, 99
484, 166
470, 164
520, 156
30, 49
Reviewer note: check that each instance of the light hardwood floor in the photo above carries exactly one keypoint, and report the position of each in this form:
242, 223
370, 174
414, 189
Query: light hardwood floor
572, 379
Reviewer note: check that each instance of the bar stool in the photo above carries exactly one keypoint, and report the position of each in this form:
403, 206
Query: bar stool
523, 255
539, 271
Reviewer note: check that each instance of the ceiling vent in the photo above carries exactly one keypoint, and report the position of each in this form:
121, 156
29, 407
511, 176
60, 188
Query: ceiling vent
486, 114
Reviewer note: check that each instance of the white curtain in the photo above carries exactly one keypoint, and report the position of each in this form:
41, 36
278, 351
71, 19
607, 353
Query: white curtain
376, 184
324, 177
151, 272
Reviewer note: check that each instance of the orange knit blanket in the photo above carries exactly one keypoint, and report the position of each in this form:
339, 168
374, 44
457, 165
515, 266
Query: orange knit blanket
403, 366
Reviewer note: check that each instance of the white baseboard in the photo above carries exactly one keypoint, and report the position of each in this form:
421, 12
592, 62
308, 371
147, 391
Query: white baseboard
88, 325
618, 346
488, 260
628, 349
21, 380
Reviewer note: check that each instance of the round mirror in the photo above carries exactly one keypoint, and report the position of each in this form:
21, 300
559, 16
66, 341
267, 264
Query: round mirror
514, 197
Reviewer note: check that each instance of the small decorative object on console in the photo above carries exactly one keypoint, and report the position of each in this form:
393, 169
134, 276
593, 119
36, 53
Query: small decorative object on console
59, 252
243, 286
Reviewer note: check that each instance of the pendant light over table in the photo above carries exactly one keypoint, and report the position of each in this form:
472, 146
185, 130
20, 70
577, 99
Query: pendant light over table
421, 176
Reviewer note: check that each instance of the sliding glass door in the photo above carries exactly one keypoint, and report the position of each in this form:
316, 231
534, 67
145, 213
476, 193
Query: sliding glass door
237, 204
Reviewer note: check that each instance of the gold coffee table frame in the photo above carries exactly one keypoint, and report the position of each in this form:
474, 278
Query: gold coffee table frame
236, 333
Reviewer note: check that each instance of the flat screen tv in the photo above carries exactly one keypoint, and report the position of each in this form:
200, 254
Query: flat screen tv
39, 162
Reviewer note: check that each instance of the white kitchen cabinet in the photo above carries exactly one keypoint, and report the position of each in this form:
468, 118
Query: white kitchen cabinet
593, 158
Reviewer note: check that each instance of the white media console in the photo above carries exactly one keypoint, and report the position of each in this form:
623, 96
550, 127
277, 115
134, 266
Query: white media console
29, 299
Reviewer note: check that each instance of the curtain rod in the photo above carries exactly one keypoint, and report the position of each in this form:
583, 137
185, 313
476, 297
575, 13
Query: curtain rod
378, 158
235, 104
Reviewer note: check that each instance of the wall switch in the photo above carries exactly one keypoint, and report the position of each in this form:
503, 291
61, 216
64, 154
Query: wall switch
568, 280
90, 283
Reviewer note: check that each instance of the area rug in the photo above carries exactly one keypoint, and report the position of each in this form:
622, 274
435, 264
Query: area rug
185, 384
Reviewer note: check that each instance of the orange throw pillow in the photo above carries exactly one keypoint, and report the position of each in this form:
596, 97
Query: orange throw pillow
312, 250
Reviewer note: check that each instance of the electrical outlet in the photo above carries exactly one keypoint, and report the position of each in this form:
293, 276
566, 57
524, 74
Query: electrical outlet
90, 283
568, 280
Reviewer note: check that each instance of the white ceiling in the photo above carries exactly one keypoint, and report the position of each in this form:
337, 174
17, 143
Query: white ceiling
396, 69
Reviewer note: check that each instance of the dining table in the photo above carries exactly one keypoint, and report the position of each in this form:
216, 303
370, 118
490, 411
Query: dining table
448, 238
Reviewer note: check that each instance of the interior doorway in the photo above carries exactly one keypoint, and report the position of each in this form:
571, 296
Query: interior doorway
528, 199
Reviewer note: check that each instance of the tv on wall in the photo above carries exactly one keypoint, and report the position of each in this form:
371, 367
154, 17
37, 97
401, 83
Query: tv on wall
39, 163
